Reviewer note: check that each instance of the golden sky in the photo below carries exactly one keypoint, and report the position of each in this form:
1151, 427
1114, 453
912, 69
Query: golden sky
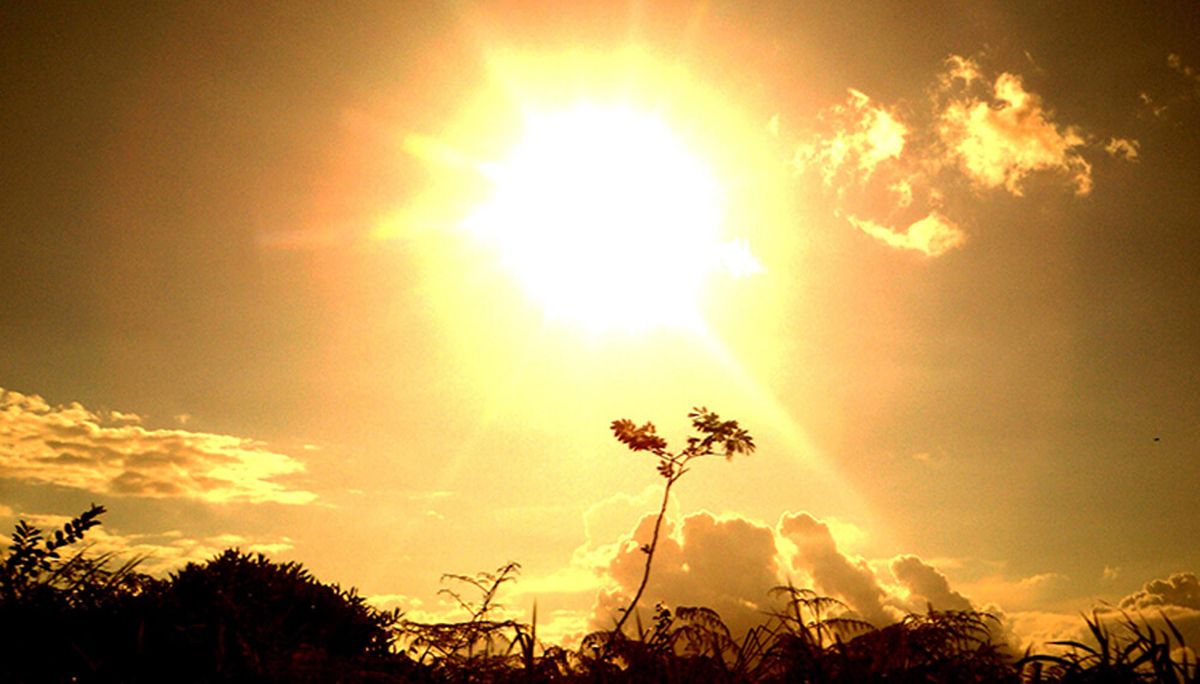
362, 285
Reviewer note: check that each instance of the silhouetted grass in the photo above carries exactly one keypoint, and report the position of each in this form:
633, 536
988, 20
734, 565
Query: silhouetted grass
244, 618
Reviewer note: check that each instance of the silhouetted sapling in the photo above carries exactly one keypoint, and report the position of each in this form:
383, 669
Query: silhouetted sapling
716, 438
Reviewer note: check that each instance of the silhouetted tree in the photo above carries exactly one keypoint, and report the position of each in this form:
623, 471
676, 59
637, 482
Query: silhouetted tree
716, 437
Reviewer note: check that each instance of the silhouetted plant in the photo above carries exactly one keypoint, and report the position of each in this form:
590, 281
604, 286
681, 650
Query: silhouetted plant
59, 613
1141, 654
804, 635
716, 437
478, 648
242, 616
938, 646
34, 563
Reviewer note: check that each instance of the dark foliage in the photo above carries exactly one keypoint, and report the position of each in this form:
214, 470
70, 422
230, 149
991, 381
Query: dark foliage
59, 615
242, 616
239, 617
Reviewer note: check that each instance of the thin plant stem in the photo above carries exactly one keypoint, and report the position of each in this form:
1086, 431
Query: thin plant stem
662, 513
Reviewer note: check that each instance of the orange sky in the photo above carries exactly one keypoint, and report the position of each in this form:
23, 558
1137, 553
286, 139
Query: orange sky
363, 286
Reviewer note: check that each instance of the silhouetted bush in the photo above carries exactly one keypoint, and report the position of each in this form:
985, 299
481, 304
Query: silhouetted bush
61, 617
237, 617
242, 616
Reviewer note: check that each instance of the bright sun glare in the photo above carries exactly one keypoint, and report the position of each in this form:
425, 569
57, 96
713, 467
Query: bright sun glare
606, 219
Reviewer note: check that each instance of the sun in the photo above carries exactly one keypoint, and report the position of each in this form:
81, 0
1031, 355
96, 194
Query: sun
606, 219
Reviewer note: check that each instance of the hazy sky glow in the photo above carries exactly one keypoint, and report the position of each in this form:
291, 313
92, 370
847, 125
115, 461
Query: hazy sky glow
363, 285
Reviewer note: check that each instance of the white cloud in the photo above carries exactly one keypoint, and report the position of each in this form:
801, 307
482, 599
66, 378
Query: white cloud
932, 235
999, 141
889, 173
72, 446
856, 138
726, 563
730, 563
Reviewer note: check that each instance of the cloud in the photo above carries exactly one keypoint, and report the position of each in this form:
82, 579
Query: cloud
1020, 593
959, 68
1181, 589
727, 563
1175, 63
926, 585
1036, 629
730, 563
858, 137
889, 167
1125, 149
1176, 598
932, 235
111, 453
1172, 100
1000, 140
832, 572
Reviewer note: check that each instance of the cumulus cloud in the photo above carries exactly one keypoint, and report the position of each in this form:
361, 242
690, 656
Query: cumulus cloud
730, 563
926, 585
112, 453
933, 235
1176, 598
1000, 140
1181, 589
726, 563
832, 572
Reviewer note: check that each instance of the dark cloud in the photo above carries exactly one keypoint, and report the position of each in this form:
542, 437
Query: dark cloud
1181, 589
832, 572
926, 585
